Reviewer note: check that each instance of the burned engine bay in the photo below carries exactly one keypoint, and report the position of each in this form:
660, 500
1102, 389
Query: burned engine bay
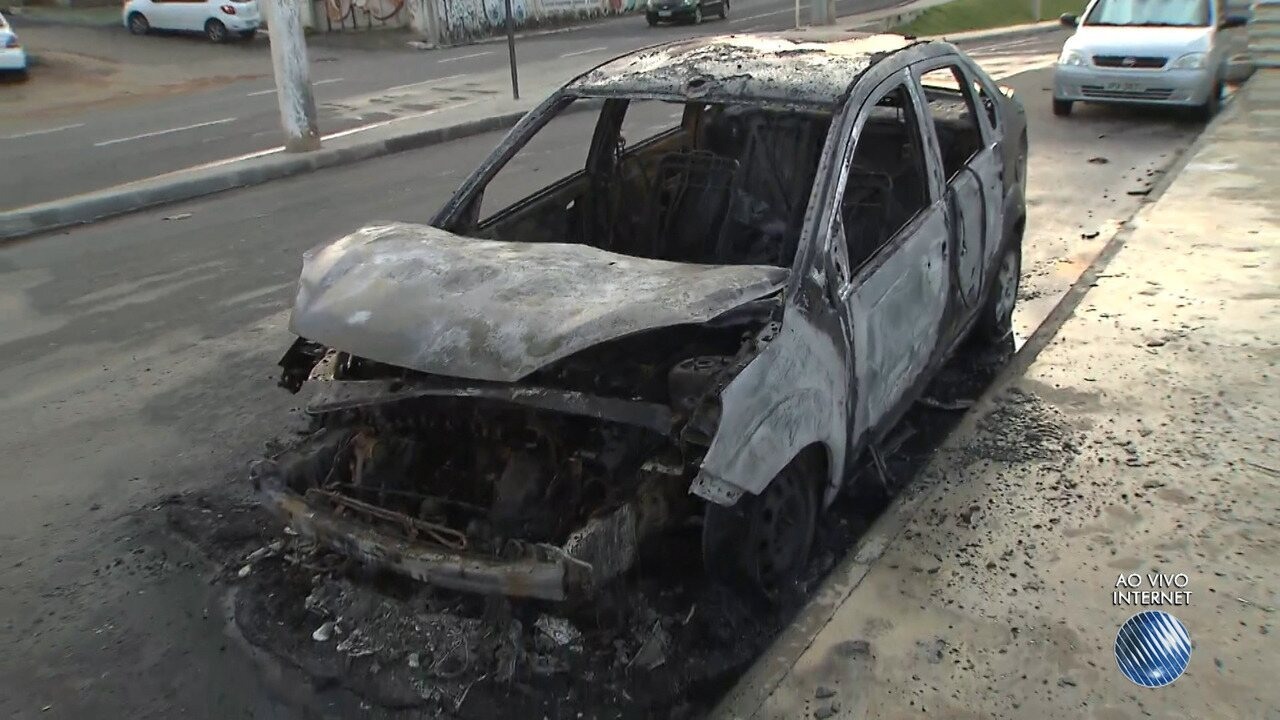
541, 488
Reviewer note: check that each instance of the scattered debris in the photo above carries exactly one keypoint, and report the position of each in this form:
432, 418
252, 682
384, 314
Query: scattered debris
324, 632
1099, 160
823, 692
179, 216
654, 650
958, 404
1090, 234
560, 631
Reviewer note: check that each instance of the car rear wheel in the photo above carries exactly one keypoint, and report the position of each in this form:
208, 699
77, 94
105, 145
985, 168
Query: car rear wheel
138, 24
995, 323
1062, 108
215, 31
765, 540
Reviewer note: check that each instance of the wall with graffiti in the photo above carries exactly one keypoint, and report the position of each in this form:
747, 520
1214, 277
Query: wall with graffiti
456, 20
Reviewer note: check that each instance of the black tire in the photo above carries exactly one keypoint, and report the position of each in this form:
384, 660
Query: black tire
653, 20
765, 540
995, 319
1212, 104
138, 24
724, 9
1062, 108
216, 31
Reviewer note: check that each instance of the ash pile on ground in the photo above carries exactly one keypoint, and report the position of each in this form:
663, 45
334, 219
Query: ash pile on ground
1023, 428
666, 648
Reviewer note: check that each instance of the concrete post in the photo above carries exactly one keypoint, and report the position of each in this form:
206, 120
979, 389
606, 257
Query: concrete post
293, 81
822, 12
1035, 10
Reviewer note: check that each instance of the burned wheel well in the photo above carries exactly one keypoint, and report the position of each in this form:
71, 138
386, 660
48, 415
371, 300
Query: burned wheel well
815, 461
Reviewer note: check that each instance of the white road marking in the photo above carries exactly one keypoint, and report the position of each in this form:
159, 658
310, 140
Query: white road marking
1000, 67
394, 88
464, 57
749, 18
271, 91
588, 51
45, 131
164, 132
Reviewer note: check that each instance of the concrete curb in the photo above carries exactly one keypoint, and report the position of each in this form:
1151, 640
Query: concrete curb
94, 206
770, 670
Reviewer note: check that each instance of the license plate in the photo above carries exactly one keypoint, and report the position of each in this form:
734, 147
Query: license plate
664, 13
1123, 87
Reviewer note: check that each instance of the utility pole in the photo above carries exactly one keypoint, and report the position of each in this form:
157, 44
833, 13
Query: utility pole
822, 12
797, 14
511, 52
293, 80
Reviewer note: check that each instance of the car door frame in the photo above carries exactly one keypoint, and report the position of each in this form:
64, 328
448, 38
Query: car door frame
875, 411
984, 169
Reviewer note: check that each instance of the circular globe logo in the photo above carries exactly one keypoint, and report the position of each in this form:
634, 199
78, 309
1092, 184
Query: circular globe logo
1153, 648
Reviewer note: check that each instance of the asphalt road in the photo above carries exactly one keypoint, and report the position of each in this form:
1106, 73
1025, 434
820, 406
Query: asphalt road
139, 358
45, 158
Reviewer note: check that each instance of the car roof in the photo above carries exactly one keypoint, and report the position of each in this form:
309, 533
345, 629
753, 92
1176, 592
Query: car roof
797, 68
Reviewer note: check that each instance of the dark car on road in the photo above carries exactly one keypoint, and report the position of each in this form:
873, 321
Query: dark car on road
693, 11
707, 315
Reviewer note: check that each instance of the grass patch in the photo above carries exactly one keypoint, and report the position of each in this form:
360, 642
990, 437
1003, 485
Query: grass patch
981, 14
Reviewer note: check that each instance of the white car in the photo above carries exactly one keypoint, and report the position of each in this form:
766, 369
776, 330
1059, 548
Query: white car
219, 20
1163, 52
13, 59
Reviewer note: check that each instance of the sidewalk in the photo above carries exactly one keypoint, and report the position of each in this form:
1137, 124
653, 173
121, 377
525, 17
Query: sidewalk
1139, 437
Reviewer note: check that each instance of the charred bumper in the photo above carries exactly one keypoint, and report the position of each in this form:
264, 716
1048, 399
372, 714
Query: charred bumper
553, 576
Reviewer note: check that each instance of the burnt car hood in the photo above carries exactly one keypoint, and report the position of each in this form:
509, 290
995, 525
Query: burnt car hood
422, 298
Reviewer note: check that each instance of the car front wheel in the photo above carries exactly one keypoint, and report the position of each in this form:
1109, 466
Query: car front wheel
138, 24
1062, 108
765, 539
215, 31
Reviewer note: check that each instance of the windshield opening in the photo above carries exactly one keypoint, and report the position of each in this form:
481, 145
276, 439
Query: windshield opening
1150, 13
689, 182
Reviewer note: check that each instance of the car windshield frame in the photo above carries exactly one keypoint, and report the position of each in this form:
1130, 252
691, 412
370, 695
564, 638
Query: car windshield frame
1149, 13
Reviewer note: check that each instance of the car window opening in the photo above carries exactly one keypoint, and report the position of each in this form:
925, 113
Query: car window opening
886, 185
724, 184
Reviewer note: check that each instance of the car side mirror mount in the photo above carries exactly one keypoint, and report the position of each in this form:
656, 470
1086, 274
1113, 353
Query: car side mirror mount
1068, 20
1233, 21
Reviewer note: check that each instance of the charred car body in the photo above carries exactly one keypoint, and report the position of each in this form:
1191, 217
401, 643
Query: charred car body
716, 321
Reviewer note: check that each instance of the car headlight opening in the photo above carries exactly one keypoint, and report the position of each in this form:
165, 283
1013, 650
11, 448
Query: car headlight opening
1072, 57
1190, 61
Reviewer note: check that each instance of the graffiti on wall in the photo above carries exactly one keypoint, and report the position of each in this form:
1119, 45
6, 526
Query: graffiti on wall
358, 14
457, 20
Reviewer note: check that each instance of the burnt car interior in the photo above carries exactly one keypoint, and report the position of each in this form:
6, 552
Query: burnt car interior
728, 185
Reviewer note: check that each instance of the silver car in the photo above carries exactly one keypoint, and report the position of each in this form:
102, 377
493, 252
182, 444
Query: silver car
1171, 52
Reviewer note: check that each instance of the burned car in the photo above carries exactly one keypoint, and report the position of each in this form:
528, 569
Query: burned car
755, 252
